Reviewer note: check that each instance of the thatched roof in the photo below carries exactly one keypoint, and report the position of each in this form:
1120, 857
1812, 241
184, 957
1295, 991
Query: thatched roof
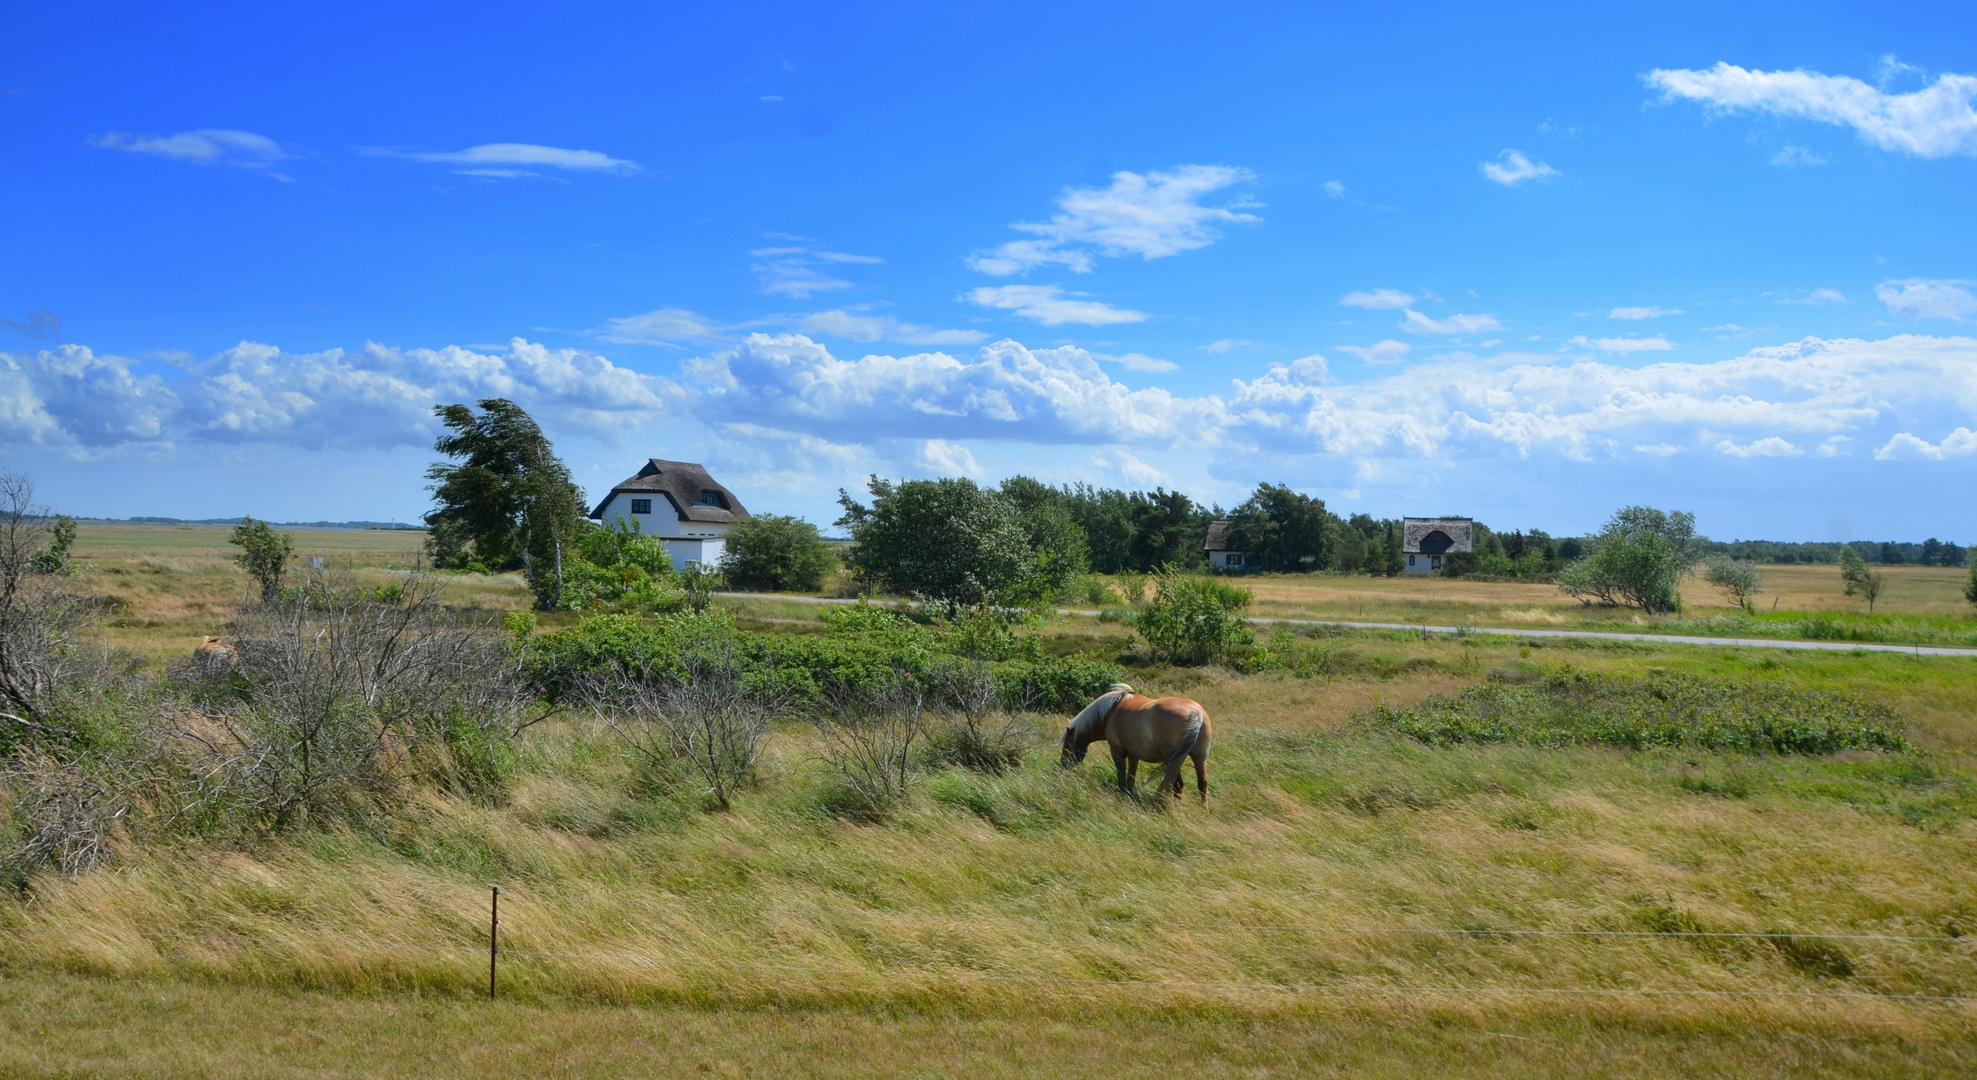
1218, 535
693, 494
1436, 536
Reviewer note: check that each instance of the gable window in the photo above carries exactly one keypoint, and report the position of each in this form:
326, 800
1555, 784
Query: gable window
711, 498
1234, 559
641, 506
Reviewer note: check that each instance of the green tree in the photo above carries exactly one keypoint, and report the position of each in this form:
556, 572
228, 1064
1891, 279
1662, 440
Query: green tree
1057, 541
1737, 579
264, 554
1638, 559
54, 559
1854, 575
945, 539
507, 500
777, 554
1970, 585
1282, 530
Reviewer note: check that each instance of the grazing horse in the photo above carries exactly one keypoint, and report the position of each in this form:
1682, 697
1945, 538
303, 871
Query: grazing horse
1139, 728
213, 654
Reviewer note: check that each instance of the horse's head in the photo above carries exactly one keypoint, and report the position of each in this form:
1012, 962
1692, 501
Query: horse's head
1088, 726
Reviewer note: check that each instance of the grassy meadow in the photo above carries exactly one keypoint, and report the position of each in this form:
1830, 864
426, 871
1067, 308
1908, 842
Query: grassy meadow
1349, 901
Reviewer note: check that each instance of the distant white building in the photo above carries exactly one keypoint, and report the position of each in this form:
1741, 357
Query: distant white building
1220, 555
678, 502
1426, 540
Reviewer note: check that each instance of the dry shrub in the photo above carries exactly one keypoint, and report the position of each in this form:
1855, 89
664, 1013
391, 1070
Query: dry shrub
975, 733
336, 700
66, 814
866, 734
708, 727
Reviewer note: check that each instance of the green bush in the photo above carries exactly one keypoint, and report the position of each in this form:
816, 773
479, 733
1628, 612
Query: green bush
1572, 707
1196, 620
776, 554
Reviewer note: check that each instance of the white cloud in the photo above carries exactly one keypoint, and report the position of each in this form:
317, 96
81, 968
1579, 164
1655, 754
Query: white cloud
1623, 345
949, 459
663, 326
794, 278
206, 146
1417, 323
1638, 313
1512, 168
488, 159
859, 326
1906, 447
1377, 299
1935, 121
1226, 345
1335, 189
1123, 468
1050, 305
1821, 297
71, 398
1660, 450
1769, 446
1918, 298
1152, 216
1380, 352
1141, 362
1792, 157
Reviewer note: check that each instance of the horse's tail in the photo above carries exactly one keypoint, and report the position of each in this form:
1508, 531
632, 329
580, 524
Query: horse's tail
1197, 722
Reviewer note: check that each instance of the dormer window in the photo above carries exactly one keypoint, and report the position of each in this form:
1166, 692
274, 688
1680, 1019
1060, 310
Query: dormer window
641, 506
711, 498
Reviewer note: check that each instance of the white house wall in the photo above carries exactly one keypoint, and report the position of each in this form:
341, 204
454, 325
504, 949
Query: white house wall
703, 542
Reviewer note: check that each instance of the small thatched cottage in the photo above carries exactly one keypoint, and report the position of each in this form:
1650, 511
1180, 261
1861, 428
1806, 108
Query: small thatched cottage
679, 502
1220, 555
1426, 540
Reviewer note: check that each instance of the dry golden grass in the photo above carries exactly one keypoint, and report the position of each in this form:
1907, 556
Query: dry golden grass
68, 1026
1038, 924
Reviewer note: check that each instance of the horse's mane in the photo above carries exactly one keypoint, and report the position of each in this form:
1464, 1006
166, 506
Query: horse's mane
1101, 707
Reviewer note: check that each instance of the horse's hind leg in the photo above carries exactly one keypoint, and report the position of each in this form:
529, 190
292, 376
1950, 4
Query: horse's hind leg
1200, 777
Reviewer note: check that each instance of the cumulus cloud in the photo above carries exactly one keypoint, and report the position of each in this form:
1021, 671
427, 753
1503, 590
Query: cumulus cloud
1377, 299
1417, 323
73, 399
1512, 168
206, 146
1935, 121
1380, 352
510, 159
1769, 446
1051, 305
1906, 447
1623, 345
1638, 313
1919, 298
1153, 216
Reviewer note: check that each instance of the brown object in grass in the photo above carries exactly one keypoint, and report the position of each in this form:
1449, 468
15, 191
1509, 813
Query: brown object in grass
1138, 728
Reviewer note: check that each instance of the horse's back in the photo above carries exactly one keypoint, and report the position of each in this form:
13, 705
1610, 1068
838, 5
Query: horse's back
1154, 727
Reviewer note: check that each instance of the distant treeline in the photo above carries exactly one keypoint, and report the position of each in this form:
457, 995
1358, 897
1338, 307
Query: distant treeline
1930, 552
282, 524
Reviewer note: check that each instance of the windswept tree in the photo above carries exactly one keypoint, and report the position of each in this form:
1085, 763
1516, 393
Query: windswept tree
1279, 529
945, 539
264, 554
1637, 560
505, 500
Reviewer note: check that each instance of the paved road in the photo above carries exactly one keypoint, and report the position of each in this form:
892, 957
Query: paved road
1596, 635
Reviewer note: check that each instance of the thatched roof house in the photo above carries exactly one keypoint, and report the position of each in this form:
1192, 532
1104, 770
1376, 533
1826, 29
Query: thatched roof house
1426, 540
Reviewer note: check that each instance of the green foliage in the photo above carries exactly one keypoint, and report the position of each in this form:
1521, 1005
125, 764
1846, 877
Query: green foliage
1860, 581
1638, 560
507, 502
1738, 580
945, 539
775, 553
1279, 529
1196, 620
1970, 585
1138, 531
1572, 707
264, 554
54, 559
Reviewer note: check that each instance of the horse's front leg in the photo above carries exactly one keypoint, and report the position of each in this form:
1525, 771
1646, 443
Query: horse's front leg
1128, 771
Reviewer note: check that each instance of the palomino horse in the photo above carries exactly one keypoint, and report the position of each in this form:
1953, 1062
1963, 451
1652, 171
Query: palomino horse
1138, 728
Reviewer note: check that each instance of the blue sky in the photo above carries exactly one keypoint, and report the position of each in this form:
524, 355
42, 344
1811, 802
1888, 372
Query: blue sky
1527, 267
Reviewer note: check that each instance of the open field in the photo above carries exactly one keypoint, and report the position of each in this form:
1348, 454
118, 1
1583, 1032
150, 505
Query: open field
1348, 902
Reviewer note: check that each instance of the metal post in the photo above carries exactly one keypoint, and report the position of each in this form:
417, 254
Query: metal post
493, 935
